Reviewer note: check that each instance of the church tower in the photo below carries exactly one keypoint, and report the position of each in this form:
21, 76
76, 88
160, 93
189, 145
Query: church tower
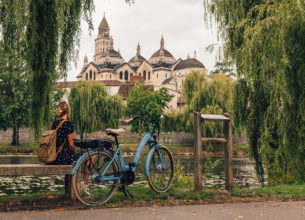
103, 42
104, 52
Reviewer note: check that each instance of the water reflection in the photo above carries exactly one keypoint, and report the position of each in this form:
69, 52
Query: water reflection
243, 171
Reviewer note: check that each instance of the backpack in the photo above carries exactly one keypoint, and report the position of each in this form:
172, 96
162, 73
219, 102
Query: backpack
46, 151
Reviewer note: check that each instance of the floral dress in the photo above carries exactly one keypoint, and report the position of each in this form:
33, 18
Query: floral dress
66, 156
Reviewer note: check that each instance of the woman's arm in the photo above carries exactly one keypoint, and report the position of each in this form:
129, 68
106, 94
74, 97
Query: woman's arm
71, 141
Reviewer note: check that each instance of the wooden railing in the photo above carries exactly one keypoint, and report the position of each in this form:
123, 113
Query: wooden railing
227, 140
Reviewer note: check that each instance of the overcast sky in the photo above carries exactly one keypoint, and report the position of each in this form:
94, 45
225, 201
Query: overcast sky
180, 21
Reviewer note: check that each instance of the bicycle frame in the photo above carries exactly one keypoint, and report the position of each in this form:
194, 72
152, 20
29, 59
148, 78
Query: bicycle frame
146, 139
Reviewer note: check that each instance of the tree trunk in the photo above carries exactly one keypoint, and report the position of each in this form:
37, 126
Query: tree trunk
15, 137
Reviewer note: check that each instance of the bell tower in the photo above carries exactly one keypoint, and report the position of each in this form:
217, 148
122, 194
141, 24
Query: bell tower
103, 42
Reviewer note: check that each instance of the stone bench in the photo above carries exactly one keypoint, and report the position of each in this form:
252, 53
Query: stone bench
39, 170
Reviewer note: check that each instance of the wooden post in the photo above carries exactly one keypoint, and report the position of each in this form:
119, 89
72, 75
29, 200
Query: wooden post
68, 186
198, 149
228, 153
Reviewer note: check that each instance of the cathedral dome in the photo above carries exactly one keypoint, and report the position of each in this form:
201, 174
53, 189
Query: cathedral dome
189, 63
136, 59
157, 54
162, 58
113, 53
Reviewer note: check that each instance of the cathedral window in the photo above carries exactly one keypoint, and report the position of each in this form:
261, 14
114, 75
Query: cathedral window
144, 75
121, 75
126, 75
148, 75
165, 76
86, 76
90, 74
157, 75
94, 75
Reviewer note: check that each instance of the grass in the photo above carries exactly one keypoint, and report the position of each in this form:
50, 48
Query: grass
145, 196
296, 191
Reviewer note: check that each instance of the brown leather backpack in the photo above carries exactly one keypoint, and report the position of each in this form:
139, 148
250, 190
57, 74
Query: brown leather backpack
46, 151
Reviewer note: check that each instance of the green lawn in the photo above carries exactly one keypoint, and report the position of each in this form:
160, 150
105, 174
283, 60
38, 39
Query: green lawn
144, 195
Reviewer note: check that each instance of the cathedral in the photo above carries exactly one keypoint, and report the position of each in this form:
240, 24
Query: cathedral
161, 70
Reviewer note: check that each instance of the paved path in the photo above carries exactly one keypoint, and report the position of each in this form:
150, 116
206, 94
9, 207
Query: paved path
236, 211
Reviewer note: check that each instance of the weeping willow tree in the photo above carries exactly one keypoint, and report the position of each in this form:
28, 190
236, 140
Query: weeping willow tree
52, 29
265, 39
93, 109
52, 36
207, 97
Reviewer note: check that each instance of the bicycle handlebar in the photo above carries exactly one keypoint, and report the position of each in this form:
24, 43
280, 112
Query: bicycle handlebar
147, 120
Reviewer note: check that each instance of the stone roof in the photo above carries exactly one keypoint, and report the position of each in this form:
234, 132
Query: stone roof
189, 63
166, 54
107, 65
112, 53
161, 64
167, 80
104, 23
140, 59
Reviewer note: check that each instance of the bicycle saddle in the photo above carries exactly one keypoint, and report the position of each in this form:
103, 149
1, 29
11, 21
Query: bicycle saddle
111, 131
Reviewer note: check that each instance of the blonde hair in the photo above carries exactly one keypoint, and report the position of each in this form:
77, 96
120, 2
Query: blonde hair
62, 108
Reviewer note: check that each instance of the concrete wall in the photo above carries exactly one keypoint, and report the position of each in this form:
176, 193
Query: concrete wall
25, 136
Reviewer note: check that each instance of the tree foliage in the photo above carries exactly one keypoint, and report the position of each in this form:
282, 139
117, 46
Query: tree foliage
265, 39
146, 102
207, 97
14, 83
93, 108
52, 28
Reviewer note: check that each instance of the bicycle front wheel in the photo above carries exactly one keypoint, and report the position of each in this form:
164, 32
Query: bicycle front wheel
160, 169
90, 186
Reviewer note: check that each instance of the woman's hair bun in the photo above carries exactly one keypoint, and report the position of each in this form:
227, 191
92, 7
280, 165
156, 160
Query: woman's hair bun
62, 108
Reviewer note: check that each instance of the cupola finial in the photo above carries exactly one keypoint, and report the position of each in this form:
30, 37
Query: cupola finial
138, 49
162, 42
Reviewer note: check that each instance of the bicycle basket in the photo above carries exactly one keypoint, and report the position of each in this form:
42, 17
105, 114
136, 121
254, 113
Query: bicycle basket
93, 143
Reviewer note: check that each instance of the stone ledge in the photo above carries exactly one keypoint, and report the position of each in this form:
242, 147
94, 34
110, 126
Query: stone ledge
34, 169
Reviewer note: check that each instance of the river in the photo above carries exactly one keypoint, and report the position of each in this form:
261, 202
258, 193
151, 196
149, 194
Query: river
213, 174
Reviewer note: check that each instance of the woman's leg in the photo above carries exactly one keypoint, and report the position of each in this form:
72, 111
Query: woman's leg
89, 165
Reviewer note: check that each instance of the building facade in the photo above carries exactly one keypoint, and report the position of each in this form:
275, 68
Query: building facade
161, 70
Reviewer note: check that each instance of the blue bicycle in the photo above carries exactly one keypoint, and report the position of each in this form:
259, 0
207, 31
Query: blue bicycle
99, 171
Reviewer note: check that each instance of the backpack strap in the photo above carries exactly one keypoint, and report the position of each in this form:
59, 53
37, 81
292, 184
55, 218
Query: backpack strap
64, 141
60, 124
60, 148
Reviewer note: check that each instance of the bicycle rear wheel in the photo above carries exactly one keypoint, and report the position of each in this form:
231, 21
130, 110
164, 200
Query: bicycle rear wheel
160, 169
88, 185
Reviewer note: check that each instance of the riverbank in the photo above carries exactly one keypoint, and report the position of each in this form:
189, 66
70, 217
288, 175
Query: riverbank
144, 196
130, 149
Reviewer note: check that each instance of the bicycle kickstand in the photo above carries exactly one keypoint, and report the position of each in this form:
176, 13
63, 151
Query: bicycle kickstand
125, 191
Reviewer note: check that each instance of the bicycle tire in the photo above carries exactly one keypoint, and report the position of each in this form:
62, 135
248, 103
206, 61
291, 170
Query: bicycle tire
160, 175
98, 192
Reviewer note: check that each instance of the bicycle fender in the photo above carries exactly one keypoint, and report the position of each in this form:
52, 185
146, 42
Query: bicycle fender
81, 157
147, 158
